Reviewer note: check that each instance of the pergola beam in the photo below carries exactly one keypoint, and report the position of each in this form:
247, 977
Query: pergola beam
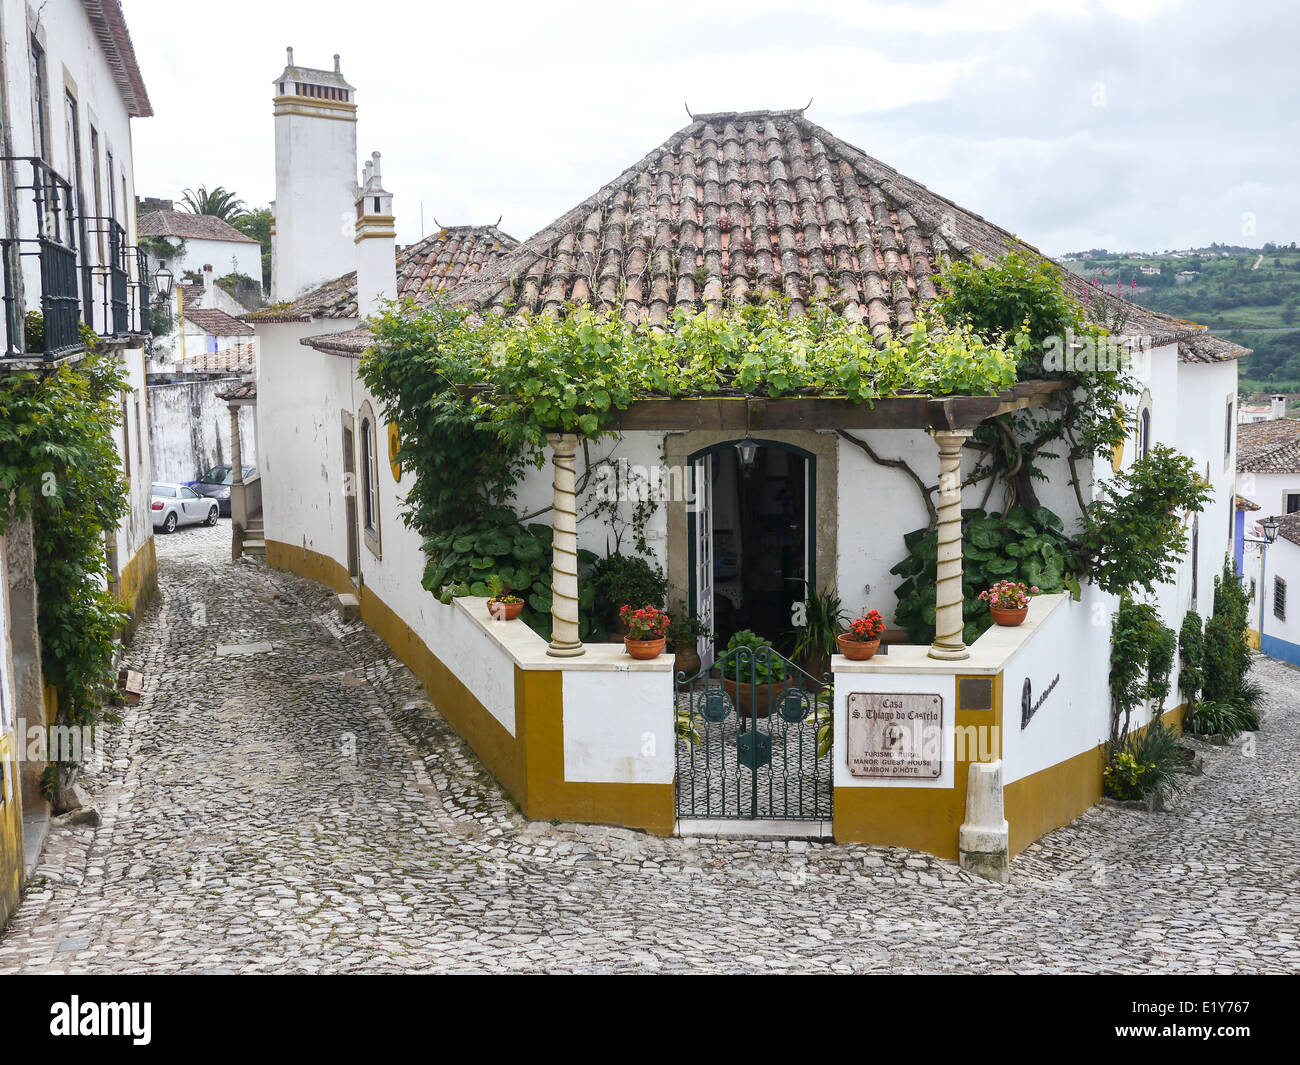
753, 413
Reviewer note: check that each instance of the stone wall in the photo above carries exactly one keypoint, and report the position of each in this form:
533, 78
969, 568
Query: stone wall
189, 428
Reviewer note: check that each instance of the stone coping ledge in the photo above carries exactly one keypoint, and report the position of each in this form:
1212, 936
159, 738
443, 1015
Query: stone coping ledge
528, 650
989, 654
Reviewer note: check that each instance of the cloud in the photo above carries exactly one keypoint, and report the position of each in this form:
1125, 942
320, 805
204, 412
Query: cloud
1074, 123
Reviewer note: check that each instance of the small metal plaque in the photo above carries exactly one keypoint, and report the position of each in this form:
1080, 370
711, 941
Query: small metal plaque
975, 693
754, 749
895, 735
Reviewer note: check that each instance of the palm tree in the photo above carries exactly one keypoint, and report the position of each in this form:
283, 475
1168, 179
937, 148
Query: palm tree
219, 202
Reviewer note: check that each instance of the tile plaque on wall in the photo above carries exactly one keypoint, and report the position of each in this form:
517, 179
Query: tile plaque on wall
895, 735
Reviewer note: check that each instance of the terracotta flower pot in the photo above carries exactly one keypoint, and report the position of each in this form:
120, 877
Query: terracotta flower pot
1009, 617
756, 699
644, 649
688, 661
504, 611
857, 650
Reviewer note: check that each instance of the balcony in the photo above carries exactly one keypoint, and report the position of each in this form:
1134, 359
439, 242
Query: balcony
117, 289
43, 249
86, 271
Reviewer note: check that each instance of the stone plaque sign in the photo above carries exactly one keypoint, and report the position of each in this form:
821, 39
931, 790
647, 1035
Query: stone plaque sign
895, 735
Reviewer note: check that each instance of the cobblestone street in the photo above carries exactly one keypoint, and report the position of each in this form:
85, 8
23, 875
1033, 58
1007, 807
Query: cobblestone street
302, 807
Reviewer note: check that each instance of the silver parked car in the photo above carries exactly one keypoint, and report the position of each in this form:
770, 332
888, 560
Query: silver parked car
177, 504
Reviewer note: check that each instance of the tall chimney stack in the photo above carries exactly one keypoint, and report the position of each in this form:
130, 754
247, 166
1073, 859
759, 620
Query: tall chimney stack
376, 242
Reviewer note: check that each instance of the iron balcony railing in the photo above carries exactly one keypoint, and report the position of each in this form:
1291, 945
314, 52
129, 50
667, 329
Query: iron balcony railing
118, 286
88, 272
50, 238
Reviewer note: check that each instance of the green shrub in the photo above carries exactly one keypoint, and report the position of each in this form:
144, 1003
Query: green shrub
1191, 652
768, 668
1136, 631
1026, 545
1222, 659
1160, 663
1214, 717
1146, 763
627, 580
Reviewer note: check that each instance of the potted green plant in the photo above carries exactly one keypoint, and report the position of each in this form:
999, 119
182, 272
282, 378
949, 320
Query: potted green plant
684, 635
753, 688
1008, 601
618, 579
815, 639
502, 605
863, 638
647, 631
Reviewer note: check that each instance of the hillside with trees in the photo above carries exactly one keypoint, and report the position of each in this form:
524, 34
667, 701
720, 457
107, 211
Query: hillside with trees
1247, 295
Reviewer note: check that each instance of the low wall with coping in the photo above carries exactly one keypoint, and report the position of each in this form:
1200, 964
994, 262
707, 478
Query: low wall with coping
580, 739
1030, 695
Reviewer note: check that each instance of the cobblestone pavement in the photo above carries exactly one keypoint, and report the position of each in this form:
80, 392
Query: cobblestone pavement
303, 808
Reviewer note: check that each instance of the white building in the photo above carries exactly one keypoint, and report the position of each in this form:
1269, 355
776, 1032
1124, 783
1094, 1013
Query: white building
1274, 409
71, 88
205, 243
646, 242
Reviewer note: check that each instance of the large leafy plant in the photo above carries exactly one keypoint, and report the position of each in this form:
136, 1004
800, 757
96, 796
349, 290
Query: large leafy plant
1026, 545
59, 465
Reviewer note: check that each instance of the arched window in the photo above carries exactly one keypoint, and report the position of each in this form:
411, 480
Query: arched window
369, 481
1142, 429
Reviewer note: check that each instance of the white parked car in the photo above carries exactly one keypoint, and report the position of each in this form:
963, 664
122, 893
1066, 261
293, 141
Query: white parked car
177, 504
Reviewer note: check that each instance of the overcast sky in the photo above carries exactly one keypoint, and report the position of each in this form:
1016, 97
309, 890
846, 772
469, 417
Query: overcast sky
1126, 124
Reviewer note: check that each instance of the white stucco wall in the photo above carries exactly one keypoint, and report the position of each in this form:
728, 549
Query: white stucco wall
189, 428
1269, 490
224, 256
74, 62
136, 527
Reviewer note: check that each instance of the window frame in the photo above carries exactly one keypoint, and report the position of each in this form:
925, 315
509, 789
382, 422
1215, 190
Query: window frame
1279, 598
370, 520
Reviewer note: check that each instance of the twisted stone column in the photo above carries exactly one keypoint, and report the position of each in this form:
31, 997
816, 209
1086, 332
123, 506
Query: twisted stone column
564, 557
948, 619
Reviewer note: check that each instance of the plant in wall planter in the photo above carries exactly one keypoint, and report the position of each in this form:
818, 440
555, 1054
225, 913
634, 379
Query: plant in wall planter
686, 632
863, 638
1009, 601
754, 681
647, 631
502, 605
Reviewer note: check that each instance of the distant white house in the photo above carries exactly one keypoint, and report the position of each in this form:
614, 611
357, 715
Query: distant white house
205, 241
1268, 474
1262, 412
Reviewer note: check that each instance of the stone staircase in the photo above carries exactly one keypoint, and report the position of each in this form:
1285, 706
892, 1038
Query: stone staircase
254, 544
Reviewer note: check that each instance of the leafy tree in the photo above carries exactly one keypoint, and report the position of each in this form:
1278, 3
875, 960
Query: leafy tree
257, 224
1191, 651
218, 202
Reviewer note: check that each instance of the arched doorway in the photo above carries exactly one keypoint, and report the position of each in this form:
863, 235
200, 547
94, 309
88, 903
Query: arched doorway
751, 538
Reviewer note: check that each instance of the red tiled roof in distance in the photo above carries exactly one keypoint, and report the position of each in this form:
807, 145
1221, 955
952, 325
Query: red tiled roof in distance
189, 226
1271, 446
439, 262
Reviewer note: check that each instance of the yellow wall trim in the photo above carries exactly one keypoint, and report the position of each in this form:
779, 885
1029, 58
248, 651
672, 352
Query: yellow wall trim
297, 104
530, 764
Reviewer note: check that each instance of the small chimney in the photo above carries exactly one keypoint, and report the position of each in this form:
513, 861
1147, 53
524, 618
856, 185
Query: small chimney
336, 64
289, 53
207, 278
1279, 406
376, 242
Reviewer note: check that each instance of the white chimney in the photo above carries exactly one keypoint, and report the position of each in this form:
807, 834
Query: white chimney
1279, 406
207, 279
315, 177
376, 242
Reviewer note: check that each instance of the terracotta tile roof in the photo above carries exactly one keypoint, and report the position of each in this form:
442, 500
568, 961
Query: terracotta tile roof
1205, 347
435, 264
191, 294
246, 389
218, 323
1288, 528
1269, 447
109, 24
1242, 503
745, 206
188, 226
228, 360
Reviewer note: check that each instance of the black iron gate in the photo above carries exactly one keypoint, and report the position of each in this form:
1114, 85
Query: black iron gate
753, 739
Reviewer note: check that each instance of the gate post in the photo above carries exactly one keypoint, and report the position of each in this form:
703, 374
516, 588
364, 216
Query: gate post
948, 614
565, 642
